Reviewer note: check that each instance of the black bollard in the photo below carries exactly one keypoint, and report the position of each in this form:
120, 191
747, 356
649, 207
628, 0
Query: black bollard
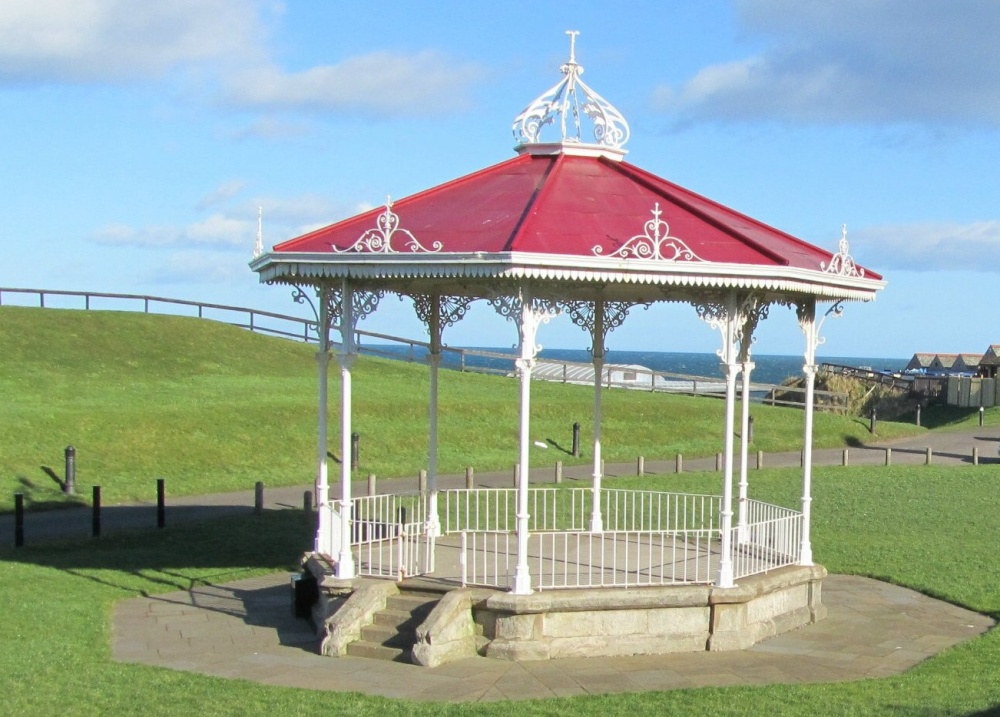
307, 501
750, 429
18, 520
69, 487
355, 450
982, 411
161, 502
918, 414
258, 497
576, 440
96, 522
874, 422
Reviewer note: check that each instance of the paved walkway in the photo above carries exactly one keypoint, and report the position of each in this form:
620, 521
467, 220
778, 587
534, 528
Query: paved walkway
246, 630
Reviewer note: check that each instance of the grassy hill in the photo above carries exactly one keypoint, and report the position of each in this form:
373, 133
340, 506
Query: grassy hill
211, 407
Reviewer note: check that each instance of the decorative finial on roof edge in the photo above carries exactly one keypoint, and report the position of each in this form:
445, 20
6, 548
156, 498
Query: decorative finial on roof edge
258, 247
567, 102
842, 263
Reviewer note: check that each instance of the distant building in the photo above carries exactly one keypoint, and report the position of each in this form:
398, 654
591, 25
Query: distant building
990, 362
944, 364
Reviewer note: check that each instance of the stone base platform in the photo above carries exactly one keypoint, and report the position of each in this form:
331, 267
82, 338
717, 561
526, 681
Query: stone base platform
577, 623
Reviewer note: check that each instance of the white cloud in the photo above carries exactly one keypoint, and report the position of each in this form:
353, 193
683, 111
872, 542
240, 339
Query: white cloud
197, 267
378, 83
113, 40
931, 246
216, 231
221, 194
878, 61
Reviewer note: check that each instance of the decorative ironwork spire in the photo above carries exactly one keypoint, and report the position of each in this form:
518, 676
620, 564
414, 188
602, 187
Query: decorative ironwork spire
566, 106
258, 247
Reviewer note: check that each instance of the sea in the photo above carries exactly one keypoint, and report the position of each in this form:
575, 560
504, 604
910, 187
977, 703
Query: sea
769, 368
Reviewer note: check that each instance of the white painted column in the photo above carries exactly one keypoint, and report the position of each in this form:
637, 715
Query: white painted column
433, 519
596, 518
324, 543
525, 363
807, 319
730, 369
746, 370
345, 559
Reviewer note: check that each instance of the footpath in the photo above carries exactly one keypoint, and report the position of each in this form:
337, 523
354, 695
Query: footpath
941, 447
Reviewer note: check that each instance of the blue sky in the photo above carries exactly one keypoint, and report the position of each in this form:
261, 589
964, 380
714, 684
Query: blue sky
138, 140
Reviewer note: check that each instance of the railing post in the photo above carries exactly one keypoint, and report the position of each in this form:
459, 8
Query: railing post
18, 520
161, 502
96, 507
258, 497
69, 487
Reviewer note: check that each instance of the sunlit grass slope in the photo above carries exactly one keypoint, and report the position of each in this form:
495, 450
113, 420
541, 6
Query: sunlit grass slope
211, 407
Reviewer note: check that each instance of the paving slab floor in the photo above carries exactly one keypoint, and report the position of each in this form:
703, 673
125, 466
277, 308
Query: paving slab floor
246, 630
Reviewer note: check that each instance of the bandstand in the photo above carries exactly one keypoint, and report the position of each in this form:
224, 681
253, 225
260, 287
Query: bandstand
567, 226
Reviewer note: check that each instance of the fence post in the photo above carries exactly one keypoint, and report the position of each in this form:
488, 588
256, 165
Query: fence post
517, 475
355, 450
422, 480
930, 454
371, 484
874, 422
559, 469
576, 440
96, 518
161, 502
640, 466
982, 412
69, 487
750, 429
679, 463
258, 497
470, 479
760, 459
846, 460
918, 414
718, 461
888, 456
975, 455
18, 520
307, 501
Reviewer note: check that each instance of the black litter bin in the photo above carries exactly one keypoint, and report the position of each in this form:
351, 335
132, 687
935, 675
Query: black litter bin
305, 593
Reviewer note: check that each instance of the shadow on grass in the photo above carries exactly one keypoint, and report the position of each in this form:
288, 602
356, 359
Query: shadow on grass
181, 556
556, 445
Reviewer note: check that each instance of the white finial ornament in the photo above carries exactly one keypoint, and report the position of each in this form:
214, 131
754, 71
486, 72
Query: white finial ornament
258, 247
842, 263
570, 101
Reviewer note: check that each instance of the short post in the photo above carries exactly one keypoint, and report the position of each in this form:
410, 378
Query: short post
930, 455
258, 497
69, 487
718, 461
517, 475
640, 466
888, 456
470, 478
750, 429
96, 507
982, 413
18, 520
802, 458
355, 450
161, 502
371, 484
918, 414
576, 440
559, 471
422, 480
760, 459
679, 463
846, 459
874, 422
307, 501
975, 455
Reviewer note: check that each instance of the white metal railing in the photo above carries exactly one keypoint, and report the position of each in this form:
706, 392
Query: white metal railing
389, 534
557, 509
767, 544
488, 558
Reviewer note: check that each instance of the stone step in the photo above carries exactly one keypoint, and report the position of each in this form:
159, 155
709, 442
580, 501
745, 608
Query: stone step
388, 635
373, 651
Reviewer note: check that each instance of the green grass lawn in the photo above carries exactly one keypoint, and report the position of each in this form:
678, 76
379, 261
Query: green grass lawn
930, 528
213, 408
